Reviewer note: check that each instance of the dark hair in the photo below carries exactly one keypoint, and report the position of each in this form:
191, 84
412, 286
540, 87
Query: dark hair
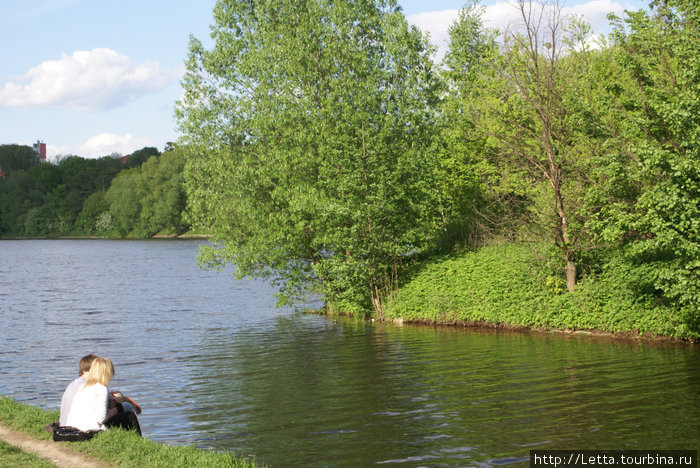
85, 363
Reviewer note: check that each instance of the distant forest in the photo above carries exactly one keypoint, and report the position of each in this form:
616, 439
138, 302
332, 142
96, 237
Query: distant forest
140, 195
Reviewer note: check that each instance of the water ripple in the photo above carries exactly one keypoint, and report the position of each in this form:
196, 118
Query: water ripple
214, 364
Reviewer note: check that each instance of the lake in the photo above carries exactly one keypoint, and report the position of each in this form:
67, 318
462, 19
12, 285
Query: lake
214, 364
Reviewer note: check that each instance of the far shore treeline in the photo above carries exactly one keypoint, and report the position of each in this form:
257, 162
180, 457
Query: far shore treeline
138, 196
536, 177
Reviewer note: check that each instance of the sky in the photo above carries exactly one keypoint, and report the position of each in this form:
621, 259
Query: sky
99, 77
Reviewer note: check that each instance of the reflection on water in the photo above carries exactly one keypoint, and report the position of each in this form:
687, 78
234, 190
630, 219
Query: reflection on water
214, 364
362, 394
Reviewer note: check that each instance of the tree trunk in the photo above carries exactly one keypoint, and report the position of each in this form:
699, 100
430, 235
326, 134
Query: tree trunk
570, 274
564, 239
565, 242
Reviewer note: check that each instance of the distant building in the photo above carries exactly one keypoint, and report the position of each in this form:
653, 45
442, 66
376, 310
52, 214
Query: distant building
40, 149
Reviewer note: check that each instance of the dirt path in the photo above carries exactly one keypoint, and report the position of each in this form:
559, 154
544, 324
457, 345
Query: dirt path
55, 452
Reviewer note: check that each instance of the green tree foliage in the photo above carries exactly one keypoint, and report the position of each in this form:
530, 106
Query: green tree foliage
19, 194
310, 123
67, 185
15, 157
55, 198
467, 209
164, 200
656, 96
600, 146
93, 209
123, 197
146, 200
139, 157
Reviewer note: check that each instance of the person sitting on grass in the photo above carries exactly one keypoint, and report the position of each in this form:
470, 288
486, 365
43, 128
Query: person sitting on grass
122, 410
89, 409
72, 388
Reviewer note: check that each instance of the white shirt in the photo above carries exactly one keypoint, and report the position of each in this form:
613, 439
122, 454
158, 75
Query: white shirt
67, 399
89, 409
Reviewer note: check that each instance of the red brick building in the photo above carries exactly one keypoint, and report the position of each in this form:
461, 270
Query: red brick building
40, 149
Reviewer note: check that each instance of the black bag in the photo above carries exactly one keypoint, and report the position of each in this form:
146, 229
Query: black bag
71, 434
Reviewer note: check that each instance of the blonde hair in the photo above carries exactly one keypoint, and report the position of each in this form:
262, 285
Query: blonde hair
101, 371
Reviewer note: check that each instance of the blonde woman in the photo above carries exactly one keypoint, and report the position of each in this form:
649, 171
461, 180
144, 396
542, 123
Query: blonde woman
89, 409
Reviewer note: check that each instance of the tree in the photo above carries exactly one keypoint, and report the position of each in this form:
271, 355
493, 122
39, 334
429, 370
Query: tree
138, 157
150, 198
309, 124
18, 195
527, 111
15, 157
93, 208
164, 197
656, 92
48, 176
466, 205
124, 197
49, 198
68, 184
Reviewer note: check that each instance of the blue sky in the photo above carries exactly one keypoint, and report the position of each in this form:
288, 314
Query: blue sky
96, 77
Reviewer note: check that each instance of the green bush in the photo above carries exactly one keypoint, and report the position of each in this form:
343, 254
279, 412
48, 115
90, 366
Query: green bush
523, 285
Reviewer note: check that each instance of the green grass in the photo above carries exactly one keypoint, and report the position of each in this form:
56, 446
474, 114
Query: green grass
26, 418
118, 447
520, 285
12, 457
127, 449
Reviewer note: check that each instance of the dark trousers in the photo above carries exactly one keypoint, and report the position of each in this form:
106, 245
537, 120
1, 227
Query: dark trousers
124, 419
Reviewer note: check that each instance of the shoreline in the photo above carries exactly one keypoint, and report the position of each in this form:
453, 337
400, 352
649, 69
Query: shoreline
495, 287
483, 325
155, 237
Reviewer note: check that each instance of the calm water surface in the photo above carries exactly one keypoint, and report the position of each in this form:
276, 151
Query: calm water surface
214, 364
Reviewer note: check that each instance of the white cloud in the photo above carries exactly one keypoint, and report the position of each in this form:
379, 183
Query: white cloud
504, 14
104, 144
87, 80
596, 12
501, 15
436, 24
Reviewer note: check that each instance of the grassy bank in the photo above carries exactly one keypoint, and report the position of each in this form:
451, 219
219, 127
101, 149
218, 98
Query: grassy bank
520, 285
117, 447
12, 456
